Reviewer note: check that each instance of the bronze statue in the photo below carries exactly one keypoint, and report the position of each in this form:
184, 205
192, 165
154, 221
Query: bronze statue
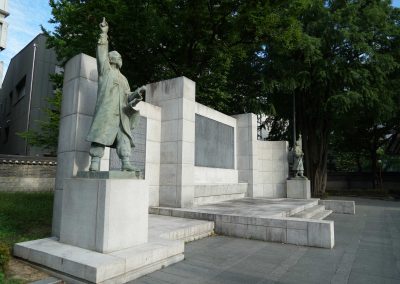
298, 167
114, 116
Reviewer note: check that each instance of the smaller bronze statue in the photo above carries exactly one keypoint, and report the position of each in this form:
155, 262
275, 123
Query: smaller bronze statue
298, 167
114, 116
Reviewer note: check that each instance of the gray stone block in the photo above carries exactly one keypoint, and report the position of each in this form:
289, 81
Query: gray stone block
81, 65
276, 234
109, 175
297, 224
88, 266
339, 206
297, 237
57, 212
104, 215
298, 188
257, 232
321, 234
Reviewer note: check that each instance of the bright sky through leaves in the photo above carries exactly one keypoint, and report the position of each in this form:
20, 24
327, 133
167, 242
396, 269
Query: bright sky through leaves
25, 19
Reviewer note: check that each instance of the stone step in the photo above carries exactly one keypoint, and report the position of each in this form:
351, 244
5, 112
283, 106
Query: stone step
173, 228
322, 215
310, 203
211, 193
309, 212
219, 189
261, 219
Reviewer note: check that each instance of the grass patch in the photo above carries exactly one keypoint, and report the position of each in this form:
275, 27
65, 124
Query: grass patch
25, 216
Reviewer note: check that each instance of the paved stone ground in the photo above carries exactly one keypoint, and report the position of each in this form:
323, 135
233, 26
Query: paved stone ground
367, 251
253, 207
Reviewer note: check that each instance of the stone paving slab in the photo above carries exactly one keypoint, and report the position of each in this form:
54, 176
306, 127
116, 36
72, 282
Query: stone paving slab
262, 219
367, 251
248, 207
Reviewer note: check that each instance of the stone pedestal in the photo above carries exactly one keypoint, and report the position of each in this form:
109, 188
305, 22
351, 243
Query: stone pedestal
298, 188
104, 215
103, 232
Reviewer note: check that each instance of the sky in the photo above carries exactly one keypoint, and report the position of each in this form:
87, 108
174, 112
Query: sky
24, 22
25, 19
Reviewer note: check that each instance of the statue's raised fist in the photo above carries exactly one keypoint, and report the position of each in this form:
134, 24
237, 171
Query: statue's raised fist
104, 25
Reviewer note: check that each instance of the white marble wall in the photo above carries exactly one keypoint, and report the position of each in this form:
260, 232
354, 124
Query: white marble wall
273, 168
176, 97
247, 151
153, 140
262, 164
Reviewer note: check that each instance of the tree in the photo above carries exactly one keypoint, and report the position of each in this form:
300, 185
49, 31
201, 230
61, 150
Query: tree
343, 59
252, 56
368, 133
46, 136
207, 41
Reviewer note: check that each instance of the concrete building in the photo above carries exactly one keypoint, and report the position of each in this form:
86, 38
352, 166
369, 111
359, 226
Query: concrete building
23, 96
3, 31
3, 24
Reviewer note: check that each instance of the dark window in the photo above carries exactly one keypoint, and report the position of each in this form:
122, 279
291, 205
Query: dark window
21, 89
10, 98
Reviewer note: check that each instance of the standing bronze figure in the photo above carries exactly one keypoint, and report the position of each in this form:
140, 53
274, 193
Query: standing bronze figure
114, 116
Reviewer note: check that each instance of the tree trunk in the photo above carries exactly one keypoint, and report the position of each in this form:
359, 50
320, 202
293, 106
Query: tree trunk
374, 158
315, 133
315, 152
359, 167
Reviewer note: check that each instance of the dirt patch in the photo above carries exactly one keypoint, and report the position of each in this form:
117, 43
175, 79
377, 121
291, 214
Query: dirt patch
22, 271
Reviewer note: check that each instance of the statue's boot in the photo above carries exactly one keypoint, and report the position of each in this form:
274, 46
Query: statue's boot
126, 165
95, 164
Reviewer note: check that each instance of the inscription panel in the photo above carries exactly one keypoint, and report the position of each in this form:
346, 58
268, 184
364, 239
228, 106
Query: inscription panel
214, 144
138, 155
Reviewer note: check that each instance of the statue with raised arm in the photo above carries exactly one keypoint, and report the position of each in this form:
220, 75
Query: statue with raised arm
114, 116
298, 167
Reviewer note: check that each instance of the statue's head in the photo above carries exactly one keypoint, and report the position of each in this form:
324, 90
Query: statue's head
115, 58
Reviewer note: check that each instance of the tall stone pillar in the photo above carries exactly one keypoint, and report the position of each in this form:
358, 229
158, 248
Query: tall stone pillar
79, 100
176, 97
247, 159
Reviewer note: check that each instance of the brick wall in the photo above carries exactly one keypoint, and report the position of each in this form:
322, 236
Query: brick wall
27, 173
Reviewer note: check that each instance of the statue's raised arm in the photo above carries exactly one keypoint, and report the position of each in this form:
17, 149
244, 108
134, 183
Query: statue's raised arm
102, 48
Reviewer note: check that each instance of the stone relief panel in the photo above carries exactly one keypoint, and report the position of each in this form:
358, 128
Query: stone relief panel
214, 144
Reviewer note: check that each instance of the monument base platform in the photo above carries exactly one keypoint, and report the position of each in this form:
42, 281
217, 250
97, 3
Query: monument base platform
298, 188
110, 174
78, 265
104, 215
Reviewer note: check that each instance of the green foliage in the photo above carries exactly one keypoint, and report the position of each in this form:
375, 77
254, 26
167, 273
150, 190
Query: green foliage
46, 136
24, 216
4, 257
342, 69
340, 59
4, 280
211, 42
